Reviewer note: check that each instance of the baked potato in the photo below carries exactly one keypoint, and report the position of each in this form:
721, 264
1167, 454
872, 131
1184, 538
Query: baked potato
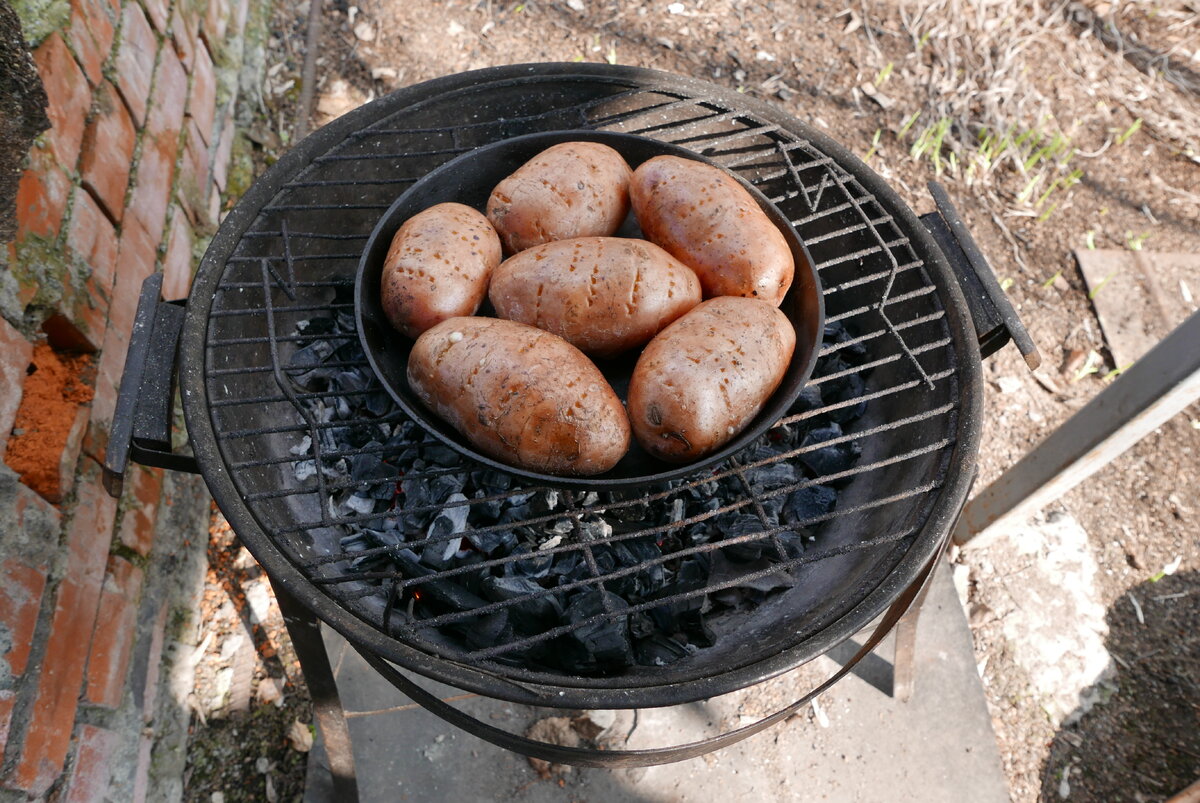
704, 218
573, 189
603, 295
438, 267
701, 380
520, 395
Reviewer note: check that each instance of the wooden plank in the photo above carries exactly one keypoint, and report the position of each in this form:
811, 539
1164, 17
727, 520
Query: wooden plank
1162, 383
1139, 296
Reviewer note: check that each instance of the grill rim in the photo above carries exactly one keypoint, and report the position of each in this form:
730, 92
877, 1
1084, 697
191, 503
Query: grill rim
576, 691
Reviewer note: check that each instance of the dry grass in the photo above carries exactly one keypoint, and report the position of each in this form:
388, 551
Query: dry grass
991, 120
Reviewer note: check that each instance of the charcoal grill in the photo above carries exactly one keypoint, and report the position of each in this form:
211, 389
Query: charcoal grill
916, 304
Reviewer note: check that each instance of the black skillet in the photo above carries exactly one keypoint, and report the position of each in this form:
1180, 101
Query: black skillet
469, 179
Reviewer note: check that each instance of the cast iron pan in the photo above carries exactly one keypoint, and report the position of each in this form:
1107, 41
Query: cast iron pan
469, 179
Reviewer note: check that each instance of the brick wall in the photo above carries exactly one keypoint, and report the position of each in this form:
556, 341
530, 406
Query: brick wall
127, 182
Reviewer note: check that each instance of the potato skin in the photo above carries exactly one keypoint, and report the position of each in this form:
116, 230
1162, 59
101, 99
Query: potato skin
438, 267
706, 376
521, 395
707, 220
573, 189
603, 295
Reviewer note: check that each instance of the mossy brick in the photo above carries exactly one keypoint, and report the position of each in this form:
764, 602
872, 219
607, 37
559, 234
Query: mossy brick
135, 60
216, 22
8, 699
41, 198
177, 262
224, 150
202, 105
60, 680
93, 764
15, 355
20, 601
30, 526
143, 492
91, 36
112, 640
69, 98
160, 142
40, 18
108, 144
92, 244
193, 176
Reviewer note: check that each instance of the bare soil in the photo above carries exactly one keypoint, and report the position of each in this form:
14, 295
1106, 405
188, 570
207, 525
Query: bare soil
1053, 73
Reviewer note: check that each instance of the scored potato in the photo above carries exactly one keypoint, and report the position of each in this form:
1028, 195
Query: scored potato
573, 189
708, 221
438, 267
520, 395
603, 295
706, 376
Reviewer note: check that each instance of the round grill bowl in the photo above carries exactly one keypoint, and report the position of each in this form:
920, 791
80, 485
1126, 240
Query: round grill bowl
289, 251
469, 180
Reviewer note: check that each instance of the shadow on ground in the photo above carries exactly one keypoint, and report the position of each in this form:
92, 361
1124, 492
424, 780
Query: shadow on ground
1146, 737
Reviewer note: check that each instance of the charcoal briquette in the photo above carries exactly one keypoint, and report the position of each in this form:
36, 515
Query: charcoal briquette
599, 646
529, 614
807, 504
832, 459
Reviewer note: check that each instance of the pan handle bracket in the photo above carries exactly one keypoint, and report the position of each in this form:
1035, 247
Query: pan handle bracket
141, 426
996, 321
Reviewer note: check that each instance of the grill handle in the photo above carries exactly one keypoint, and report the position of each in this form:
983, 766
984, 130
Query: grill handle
141, 426
996, 322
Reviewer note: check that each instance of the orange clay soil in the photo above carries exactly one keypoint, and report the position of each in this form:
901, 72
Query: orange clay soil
53, 392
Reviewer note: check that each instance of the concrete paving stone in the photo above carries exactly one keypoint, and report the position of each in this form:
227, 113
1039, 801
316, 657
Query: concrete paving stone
937, 747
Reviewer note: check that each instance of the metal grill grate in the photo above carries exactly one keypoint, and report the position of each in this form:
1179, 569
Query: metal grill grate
297, 260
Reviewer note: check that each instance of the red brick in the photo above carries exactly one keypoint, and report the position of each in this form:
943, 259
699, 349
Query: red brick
220, 166
202, 105
15, 355
69, 98
7, 700
135, 60
108, 151
157, 11
136, 256
20, 600
61, 676
91, 35
41, 198
193, 176
112, 641
160, 143
143, 490
93, 765
99, 17
177, 264
183, 34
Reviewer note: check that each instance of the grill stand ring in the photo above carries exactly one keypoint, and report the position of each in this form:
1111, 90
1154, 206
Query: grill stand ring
902, 615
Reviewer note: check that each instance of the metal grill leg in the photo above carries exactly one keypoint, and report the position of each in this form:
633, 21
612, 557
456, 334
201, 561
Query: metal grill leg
305, 632
903, 663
